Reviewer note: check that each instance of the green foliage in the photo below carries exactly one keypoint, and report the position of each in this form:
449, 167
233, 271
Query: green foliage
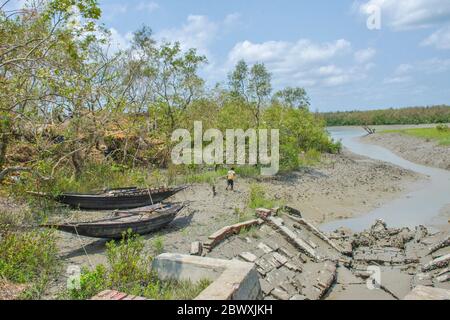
259, 199
125, 106
129, 271
299, 131
28, 257
91, 283
292, 97
413, 115
442, 128
440, 135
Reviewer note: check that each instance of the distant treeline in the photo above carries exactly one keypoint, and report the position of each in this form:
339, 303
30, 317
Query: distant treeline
412, 115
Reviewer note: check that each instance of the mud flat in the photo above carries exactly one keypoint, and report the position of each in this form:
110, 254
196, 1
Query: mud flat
421, 151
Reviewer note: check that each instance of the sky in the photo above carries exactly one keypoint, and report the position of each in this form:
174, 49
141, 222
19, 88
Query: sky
347, 54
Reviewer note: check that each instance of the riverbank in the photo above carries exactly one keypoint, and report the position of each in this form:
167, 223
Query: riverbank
422, 151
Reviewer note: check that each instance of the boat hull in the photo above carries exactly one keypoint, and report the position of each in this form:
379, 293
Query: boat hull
106, 202
116, 229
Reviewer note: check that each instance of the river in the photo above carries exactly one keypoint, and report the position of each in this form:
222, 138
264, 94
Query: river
420, 205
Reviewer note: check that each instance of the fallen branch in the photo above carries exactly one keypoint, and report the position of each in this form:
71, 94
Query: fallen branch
10, 170
369, 130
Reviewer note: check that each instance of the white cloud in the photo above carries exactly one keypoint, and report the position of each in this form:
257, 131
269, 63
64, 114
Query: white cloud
148, 6
408, 72
286, 54
409, 14
439, 39
305, 62
198, 32
397, 80
117, 41
362, 56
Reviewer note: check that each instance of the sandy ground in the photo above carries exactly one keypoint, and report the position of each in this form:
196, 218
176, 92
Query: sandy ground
414, 149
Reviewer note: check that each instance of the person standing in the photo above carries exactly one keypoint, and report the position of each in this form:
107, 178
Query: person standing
231, 177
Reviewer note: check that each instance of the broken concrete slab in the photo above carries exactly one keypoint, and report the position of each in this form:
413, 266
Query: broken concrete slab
357, 292
196, 248
264, 247
228, 231
440, 262
232, 280
396, 282
280, 294
319, 234
440, 245
266, 287
249, 257
292, 237
428, 293
346, 276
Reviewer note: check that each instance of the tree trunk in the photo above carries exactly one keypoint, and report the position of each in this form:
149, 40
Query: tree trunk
3, 148
77, 161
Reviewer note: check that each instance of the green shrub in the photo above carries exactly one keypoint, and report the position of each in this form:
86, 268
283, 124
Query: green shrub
442, 128
91, 283
259, 199
129, 271
28, 257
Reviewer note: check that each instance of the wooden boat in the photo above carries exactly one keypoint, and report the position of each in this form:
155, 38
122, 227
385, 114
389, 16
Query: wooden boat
113, 199
141, 221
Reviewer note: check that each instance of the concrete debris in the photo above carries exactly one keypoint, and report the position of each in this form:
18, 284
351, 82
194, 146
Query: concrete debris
292, 211
440, 245
249, 257
292, 237
428, 293
297, 261
440, 262
280, 294
196, 248
228, 231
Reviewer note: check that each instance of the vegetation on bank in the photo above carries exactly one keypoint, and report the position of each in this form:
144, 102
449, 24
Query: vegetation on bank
81, 116
29, 258
413, 115
440, 134
129, 271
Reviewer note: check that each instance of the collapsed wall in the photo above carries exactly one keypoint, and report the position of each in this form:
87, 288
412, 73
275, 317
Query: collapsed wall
296, 261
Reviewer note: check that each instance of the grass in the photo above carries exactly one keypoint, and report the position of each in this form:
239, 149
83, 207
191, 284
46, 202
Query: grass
129, 271
310, 158
259, 199
439, 134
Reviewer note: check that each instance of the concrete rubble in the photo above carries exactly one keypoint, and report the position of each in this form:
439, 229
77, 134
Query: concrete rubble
297, 261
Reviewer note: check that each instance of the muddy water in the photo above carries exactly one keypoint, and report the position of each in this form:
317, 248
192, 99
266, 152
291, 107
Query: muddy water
422, 203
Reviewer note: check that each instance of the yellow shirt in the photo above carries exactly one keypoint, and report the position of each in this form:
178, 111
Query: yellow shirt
231, 175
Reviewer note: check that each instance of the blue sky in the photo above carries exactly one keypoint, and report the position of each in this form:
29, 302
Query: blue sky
322, 45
